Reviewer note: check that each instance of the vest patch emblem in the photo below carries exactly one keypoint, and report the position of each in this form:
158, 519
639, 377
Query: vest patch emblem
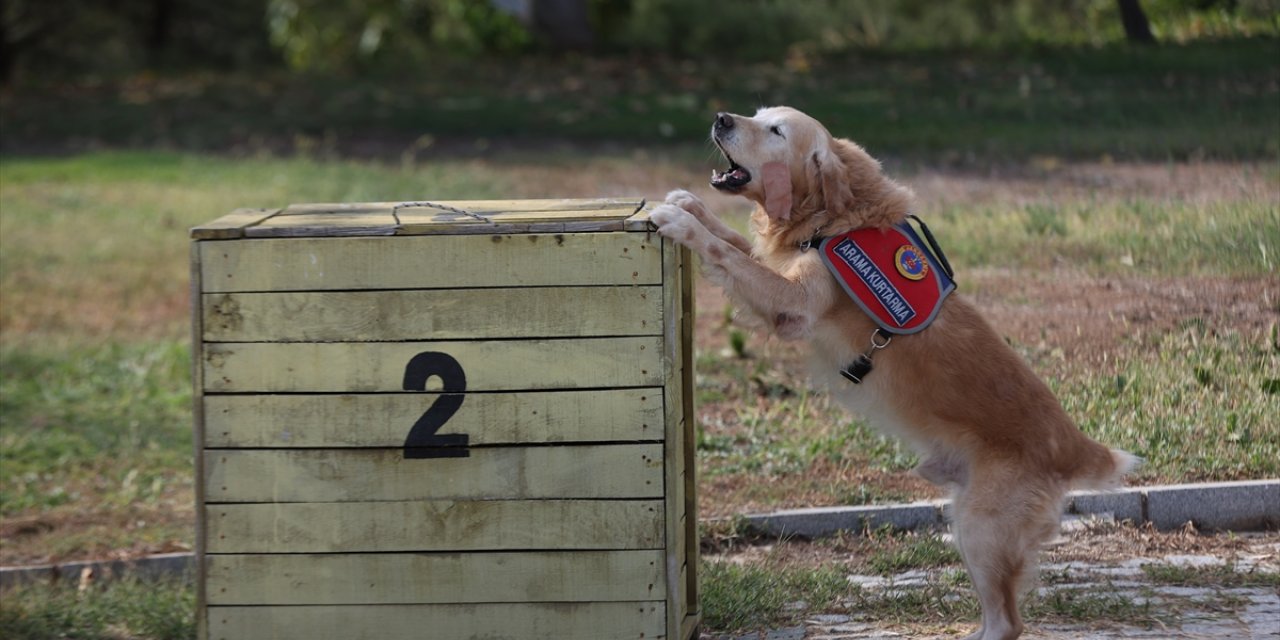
911, 263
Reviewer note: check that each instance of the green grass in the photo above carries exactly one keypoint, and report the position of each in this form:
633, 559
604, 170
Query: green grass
751, 596
1226, 575
112, 420
1207, 99
905, 552
1154, 234
118, 610
1196, 406
789, 432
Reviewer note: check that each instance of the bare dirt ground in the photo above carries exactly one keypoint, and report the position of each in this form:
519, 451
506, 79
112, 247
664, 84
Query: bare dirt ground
100, 533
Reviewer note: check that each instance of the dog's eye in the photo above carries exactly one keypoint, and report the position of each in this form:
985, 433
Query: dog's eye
776, 130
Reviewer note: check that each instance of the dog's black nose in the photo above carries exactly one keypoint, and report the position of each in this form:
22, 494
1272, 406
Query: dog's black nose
724, 121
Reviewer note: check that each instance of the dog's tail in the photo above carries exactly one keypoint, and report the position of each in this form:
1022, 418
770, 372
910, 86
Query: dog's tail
1104, 468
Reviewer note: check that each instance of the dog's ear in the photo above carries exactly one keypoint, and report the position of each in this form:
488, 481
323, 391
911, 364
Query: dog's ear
777, 190
828, 170
854, 187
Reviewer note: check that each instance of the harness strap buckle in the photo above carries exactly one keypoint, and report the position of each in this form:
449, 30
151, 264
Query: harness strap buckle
861, 365
858, 369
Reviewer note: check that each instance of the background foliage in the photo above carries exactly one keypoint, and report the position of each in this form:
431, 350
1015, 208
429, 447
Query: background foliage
42, 37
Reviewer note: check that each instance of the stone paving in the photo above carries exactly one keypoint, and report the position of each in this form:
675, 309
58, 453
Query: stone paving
1209, 612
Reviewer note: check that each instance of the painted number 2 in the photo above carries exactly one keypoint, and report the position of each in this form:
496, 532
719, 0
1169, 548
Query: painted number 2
422, 441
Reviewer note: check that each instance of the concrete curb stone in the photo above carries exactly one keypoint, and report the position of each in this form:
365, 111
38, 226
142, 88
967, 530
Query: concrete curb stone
148, 568
1226, 506
1219, 506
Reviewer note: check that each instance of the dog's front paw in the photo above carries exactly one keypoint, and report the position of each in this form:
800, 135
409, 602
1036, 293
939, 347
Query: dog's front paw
694, 205
675, 223
687, 201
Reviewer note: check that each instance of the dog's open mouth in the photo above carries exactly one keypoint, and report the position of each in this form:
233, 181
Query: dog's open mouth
731, 179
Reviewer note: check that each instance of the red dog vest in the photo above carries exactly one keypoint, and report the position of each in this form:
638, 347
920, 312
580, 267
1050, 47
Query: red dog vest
890, 275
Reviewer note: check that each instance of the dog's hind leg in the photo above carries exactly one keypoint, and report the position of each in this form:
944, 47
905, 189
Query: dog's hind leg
944, 469
999, 521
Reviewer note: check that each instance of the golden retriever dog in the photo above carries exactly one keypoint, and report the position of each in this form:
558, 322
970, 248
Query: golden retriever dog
982, 423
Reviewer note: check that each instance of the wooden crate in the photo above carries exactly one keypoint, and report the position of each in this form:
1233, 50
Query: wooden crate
417, 423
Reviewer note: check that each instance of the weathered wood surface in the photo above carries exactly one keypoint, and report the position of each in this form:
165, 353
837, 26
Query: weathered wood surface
687, 487
382, 420
439, 578
639, 221
535, 621
231, 225
426, 262
488, 473
380, 366
325, 224
427, 219
680, 449
584, 208
441, 314
198, 430
385, 218
475, 227
594, 359
434, 525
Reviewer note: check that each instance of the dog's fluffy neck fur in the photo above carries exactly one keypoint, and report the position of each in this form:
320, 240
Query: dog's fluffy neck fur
862, 197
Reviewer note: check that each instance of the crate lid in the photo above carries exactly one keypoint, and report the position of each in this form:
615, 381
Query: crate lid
430, 218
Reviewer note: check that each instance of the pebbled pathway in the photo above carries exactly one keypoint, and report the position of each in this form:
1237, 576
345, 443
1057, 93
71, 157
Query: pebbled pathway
1210, 611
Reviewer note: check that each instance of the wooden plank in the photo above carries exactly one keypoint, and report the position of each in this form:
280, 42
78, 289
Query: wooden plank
427, 216
639, 221
426, 262
681, 547
481, 207
326, 224
671, 353
320, 208
689, 481
630, 204
507, 228
382, 420
488, 473
587, 363
434, 525
454, 217
357, 316
231, 225
198, 425
436, 578
689, 626
562, 621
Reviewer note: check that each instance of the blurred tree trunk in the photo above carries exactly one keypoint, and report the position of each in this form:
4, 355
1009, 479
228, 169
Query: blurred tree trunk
159, 30
565, 24
22, 27
1136, 27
